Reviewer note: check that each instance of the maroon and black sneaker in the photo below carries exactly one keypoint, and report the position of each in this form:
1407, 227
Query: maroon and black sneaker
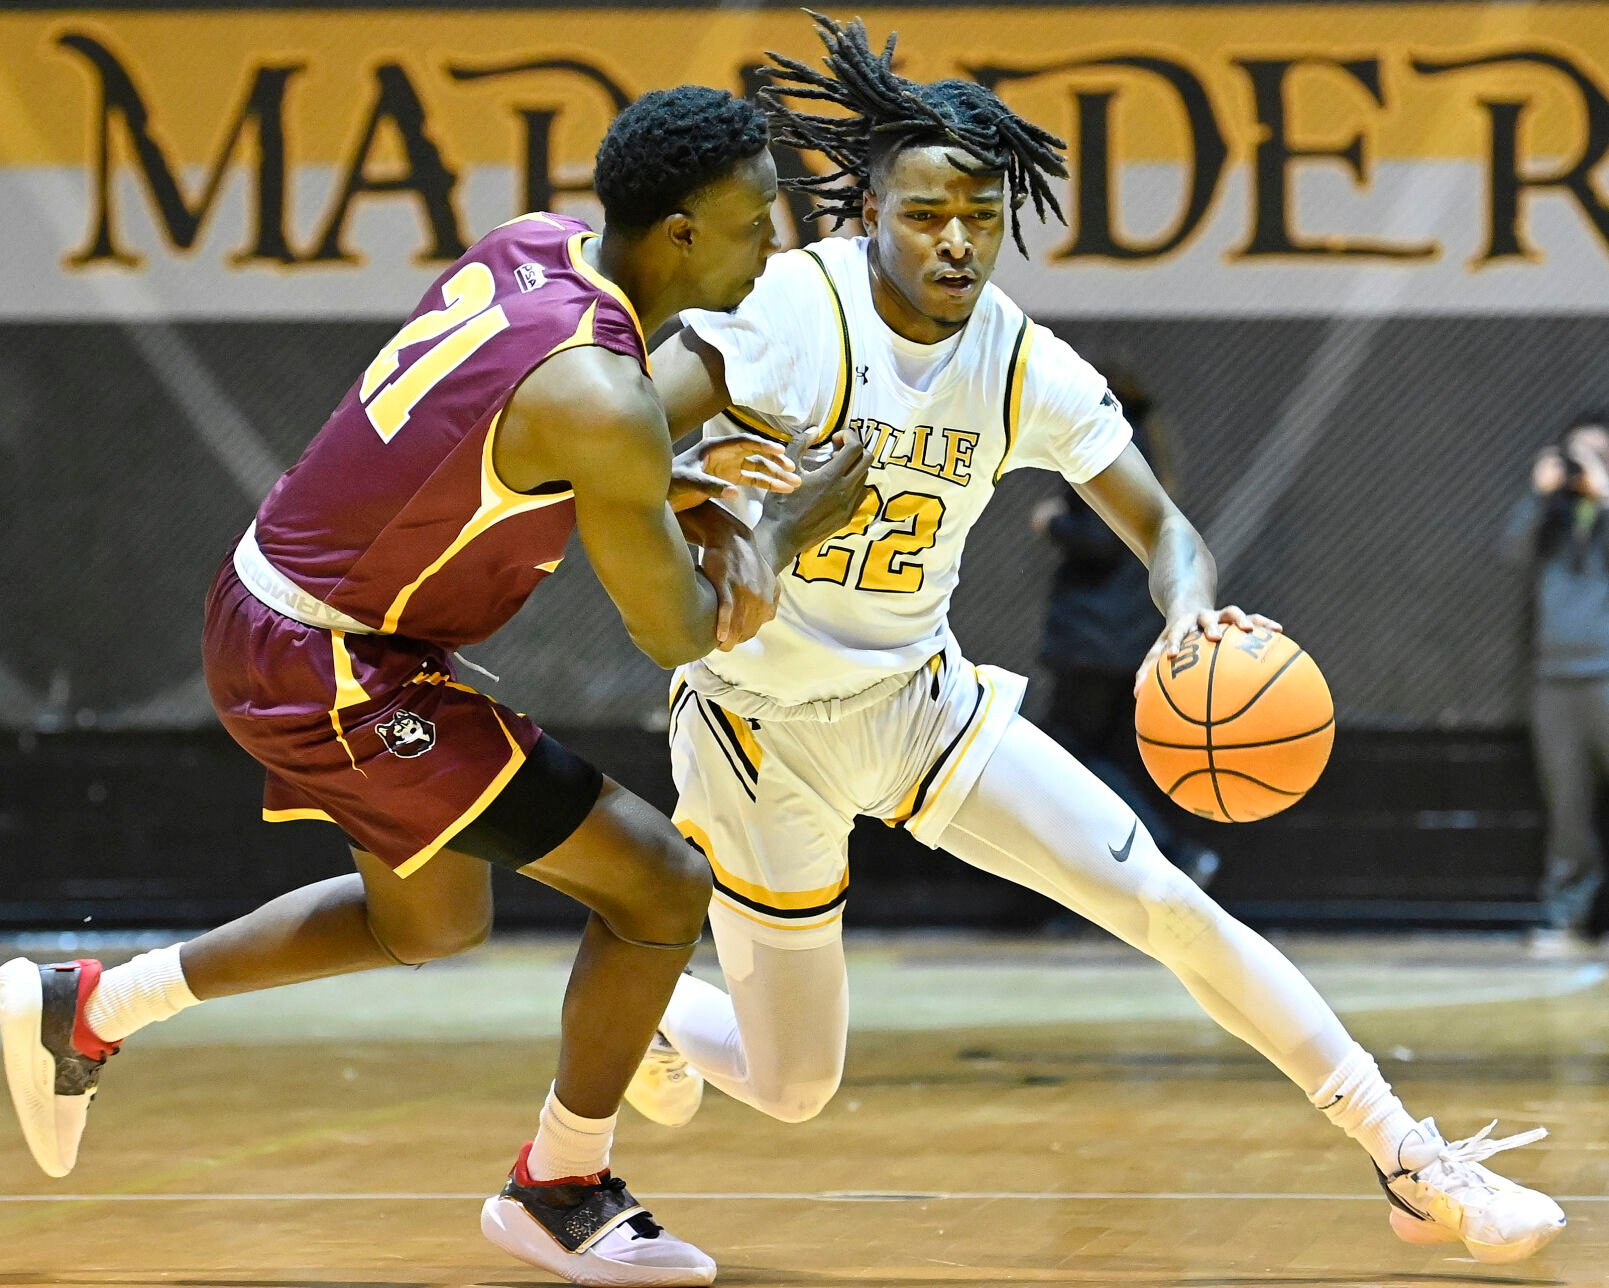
589, 1230
53, 1059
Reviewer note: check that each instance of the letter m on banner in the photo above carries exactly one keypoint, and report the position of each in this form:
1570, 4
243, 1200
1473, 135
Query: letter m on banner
183, 217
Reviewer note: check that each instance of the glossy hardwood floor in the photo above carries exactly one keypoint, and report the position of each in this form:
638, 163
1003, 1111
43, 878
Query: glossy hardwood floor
1013, 1112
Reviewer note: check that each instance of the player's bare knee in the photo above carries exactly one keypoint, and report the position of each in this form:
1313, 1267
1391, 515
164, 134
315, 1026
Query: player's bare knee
666, 898
686, 886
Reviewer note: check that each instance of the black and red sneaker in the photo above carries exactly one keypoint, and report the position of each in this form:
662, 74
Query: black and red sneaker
53, 1059
589, 1230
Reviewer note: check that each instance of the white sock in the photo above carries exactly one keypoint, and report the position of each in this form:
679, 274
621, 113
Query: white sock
137, 993
569, 1145
1360, 1102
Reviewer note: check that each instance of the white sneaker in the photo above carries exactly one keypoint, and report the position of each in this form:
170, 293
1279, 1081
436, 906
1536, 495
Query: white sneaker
589, 1230
53, 1060
665, 1089
1442, 1194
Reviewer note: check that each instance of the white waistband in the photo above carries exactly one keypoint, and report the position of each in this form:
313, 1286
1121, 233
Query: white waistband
756, 706
284, 596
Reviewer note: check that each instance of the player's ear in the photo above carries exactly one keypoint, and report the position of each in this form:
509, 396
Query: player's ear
868, 210
679, 229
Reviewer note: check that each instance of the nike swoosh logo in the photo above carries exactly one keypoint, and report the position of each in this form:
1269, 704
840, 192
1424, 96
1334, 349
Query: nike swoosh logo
1122, 856
1339, 1097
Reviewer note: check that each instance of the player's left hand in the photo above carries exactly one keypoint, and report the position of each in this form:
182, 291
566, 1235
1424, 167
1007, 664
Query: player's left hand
715, 468
1207, 621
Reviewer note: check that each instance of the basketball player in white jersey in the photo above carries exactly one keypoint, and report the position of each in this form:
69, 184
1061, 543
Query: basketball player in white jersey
856, 699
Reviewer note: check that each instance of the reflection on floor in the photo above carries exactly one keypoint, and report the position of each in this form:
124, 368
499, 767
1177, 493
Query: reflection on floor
1013, 1112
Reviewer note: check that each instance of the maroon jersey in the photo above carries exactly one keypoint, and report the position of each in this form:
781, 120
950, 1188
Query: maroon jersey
394, 514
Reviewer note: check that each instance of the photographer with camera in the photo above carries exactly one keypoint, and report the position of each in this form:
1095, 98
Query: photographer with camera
1558, 532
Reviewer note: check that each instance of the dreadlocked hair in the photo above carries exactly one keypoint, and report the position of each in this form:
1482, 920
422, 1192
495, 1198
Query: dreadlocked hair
666, 146
887, 114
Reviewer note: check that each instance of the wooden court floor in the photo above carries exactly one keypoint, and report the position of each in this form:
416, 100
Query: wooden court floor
1013, 1113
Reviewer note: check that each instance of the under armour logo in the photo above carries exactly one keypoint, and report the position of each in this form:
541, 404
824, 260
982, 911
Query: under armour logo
861, 373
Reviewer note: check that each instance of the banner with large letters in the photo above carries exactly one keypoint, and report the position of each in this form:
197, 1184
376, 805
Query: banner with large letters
1372, 159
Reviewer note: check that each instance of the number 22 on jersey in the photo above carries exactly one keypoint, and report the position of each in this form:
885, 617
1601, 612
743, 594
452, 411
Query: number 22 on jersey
889, 565
470, 318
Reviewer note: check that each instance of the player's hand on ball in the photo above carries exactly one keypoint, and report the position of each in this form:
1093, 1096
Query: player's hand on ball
1210, 622
717, 467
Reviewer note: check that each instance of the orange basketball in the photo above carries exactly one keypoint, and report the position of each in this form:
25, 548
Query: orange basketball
1237, 730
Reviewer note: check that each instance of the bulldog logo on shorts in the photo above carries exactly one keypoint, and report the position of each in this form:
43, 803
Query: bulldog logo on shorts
407, 735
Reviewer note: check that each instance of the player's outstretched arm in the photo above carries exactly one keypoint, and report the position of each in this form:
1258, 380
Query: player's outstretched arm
590, 418
1184, 578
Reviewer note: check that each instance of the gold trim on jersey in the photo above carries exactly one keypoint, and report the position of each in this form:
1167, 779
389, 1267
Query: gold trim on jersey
348, 692
497, 502
839, 413
533, 216
1015, 377
789, 904
584, 333
746, 420
516, 758
744, 737
926, 789
734, 907
744, 768
578, 261
978, 722
293, 815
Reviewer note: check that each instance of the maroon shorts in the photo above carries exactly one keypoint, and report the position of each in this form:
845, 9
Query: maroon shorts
369, 732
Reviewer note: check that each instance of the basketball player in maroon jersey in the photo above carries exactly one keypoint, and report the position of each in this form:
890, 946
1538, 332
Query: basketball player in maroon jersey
513, 406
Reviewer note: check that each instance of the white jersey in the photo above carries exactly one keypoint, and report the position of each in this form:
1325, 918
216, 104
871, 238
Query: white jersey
807, 351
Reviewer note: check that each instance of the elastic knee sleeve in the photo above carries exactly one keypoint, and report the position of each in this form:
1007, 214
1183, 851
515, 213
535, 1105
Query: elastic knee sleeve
386, 948
646, 943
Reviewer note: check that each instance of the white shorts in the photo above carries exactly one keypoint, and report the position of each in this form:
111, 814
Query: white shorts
771, 802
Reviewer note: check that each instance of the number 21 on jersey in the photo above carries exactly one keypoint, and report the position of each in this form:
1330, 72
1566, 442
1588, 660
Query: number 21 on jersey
468, 321
890, 564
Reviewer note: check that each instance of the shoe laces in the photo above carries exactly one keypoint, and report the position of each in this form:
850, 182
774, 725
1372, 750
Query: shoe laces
671, 1061
1458, 1159
643, 1225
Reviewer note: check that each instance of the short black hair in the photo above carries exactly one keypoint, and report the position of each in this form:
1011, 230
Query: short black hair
669, 144
887, 114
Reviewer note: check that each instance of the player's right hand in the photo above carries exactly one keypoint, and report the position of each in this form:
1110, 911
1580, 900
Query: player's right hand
746, 588
829, 495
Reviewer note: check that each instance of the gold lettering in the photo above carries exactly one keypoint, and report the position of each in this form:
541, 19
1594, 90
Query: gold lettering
958, 448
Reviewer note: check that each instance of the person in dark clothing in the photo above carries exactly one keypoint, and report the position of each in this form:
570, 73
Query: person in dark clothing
1559, 533
1099, 625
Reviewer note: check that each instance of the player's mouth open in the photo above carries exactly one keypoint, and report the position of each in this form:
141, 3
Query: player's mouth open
958, 282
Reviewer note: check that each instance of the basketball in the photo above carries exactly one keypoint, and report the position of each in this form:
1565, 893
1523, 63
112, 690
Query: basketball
1235, 730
